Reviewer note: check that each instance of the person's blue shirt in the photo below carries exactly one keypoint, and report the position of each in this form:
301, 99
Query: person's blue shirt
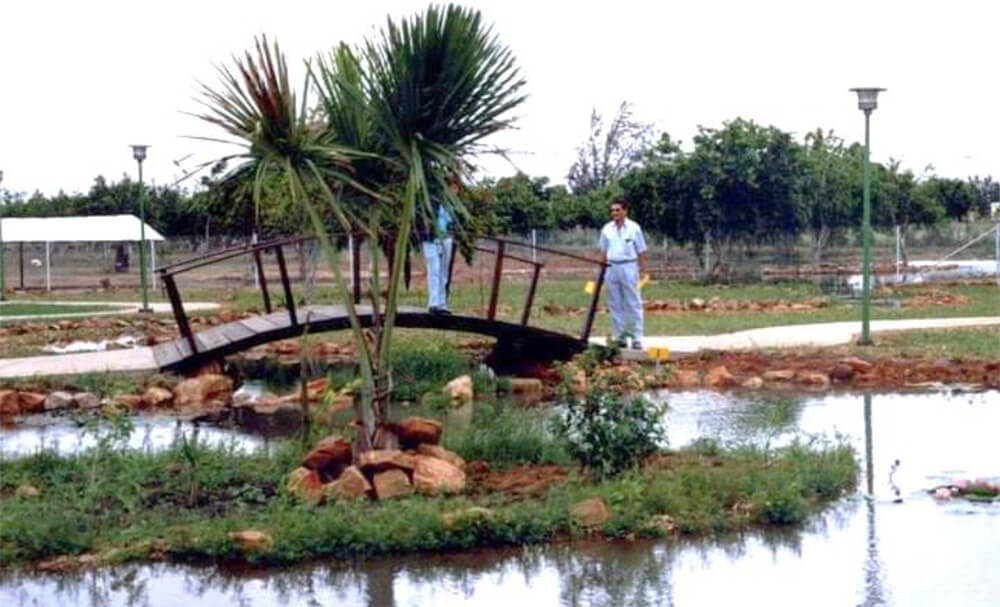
442, 222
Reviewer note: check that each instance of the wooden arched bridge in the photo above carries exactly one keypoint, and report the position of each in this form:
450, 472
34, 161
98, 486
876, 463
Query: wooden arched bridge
515, 341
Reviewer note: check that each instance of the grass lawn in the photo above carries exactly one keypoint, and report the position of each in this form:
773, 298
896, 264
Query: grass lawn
17, 309
979, 342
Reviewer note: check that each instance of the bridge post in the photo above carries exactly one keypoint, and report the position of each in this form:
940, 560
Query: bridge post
497, 274
286, 285
594, 299
530, 298
262, 280
179, 315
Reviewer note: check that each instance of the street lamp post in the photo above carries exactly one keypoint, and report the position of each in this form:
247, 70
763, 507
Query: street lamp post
867, 102
139, 153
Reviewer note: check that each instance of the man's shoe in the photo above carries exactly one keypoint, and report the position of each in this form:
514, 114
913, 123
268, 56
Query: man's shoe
637, 345
438, 311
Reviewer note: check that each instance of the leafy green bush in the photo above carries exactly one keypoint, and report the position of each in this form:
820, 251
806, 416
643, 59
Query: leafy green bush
503, 434
608, 434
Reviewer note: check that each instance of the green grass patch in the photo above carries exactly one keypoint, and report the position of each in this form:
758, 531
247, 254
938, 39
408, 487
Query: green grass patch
973, 342
183, 501
14, 310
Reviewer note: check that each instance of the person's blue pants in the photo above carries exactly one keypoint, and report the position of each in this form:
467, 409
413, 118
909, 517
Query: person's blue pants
624, 302
437, 254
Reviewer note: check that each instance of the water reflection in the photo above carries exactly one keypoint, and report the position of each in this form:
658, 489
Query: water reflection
868, 549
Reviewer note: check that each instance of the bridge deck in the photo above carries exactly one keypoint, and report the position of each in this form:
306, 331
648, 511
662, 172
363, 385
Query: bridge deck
514, 340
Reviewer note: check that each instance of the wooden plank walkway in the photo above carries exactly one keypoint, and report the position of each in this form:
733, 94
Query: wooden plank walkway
217, 342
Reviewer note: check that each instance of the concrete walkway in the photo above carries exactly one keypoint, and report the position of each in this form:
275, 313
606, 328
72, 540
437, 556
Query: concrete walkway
120, 307
793, 336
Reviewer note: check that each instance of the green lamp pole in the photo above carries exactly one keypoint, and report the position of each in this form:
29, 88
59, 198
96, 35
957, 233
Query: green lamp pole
3, 264
867, 102
139, 153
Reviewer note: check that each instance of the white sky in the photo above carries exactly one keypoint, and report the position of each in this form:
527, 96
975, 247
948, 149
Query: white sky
80, 81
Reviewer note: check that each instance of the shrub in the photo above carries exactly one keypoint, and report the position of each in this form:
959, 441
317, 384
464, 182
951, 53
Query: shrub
608, 434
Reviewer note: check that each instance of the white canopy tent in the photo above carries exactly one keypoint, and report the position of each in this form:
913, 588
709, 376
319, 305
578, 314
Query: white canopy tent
98, 228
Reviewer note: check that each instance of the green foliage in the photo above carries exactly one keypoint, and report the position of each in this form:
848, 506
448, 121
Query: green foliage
426, 367
504, 434
609, 434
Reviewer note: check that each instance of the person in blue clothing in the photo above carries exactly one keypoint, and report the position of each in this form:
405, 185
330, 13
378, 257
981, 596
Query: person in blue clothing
623, 248
437, 247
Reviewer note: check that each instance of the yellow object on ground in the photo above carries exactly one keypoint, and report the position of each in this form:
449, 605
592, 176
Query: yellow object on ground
661, 353
590, 287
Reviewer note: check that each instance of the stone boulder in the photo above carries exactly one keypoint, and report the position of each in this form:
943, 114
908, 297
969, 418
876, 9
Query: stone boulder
590, 512
306, 485
433, 476
351, 484
155, 396
128, 401
779, 375
380, 460
681, 378
813, 379
31, 402
857, 364
251, 540
842, 372
330, 457
211, 390
10, 403
525, 385
753, 383
416, 430
459, 390
441, 453
720, 377
59, 400
27, 492
86, 400
391, 483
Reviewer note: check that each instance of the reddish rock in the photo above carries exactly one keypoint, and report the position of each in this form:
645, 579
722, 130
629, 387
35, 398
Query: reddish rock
590, 512
330, 457
351, 484
525, 385
416, 430
391, 483
441, 453
720, 377
779, 375
842, 372
753, 383
813, 379
128, 401
857, 364
380, 460
86, 400
10, 402
459, 390
156, 396
251, 540
205, 390
434, 476
306, 485
31, 402
680, 378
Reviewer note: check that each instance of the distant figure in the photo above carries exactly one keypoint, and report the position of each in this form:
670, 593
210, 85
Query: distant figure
437, 246
37, 263
624, 248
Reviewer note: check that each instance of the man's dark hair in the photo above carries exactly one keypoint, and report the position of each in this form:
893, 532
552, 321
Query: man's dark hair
620, 200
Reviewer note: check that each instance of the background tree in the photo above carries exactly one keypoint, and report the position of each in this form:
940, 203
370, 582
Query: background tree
829, 187
902, 201
608, 154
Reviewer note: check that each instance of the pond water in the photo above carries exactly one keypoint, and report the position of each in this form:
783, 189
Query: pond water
890, 544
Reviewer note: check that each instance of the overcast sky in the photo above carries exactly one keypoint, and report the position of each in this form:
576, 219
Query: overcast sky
81, 80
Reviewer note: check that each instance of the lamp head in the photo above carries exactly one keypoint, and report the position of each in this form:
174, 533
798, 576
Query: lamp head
867, 98
139, 152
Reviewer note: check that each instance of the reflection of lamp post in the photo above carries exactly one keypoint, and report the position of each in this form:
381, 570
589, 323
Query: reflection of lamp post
3, 262
867, 101
139, 153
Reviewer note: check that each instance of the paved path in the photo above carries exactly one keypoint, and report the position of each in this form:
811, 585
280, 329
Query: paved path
120, 307
815, 335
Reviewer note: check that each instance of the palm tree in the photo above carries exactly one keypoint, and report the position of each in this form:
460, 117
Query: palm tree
398, 117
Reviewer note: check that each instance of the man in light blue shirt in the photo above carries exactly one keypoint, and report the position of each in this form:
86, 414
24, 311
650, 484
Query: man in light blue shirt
437, 247
623, 248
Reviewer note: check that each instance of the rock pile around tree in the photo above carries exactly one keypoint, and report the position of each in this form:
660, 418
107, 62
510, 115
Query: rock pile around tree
331, 471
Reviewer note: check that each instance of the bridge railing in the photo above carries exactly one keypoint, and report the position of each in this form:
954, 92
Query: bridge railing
169, 273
